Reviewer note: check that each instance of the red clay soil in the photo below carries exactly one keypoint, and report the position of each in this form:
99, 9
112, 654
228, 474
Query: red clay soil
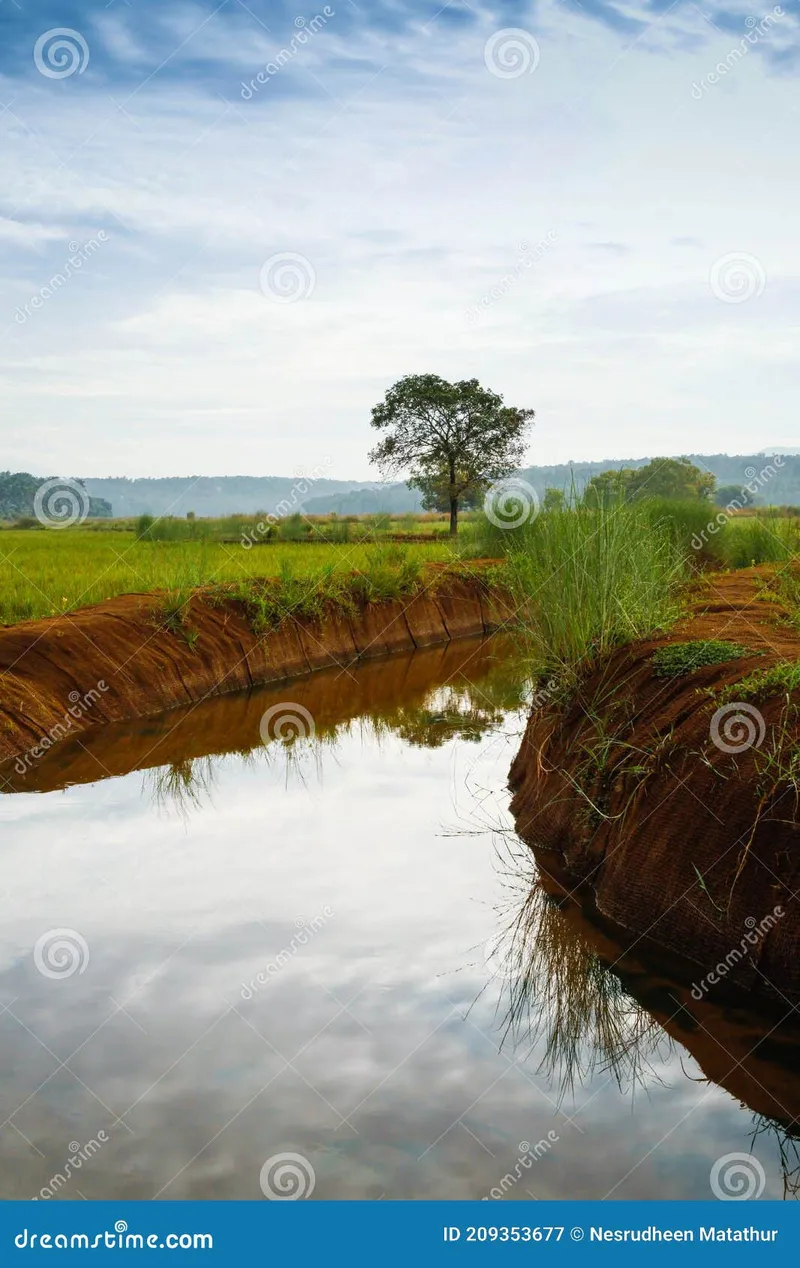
388, 688
686, 848
115, 662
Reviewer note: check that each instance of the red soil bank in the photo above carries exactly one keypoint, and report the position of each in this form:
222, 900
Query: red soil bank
114, 662
626, 786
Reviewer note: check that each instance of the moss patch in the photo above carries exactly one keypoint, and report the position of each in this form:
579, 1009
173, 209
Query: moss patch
678, 659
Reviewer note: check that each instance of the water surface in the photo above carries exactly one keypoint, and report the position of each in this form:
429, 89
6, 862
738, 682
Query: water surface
334, 948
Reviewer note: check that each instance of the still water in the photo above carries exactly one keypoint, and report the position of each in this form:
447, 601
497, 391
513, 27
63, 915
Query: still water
220, 948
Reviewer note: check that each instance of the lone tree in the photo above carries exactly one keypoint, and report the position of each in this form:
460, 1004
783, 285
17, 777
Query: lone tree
454, 438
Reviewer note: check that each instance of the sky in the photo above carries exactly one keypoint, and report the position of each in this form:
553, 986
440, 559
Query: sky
227, 227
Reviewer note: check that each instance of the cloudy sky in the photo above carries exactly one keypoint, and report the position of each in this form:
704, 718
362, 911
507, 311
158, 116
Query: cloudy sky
227, 227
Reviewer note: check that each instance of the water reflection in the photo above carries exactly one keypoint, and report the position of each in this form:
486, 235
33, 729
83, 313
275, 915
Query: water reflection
444, 1012
460, 690
587, 1004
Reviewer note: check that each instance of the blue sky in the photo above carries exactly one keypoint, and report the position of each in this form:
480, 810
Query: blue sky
227, 228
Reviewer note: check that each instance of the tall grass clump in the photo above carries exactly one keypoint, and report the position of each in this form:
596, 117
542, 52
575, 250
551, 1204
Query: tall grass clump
587, 580
756, 540
685, 519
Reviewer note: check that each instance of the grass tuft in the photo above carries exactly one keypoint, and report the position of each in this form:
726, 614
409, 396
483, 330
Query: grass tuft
586, 581
779, 679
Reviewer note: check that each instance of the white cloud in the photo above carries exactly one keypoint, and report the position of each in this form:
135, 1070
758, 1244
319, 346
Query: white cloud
410, 193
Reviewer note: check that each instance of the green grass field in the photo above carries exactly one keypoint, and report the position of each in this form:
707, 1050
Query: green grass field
593, 578
58, 570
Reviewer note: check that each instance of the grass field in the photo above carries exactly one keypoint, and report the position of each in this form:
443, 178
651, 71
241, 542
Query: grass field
590, 578
58, 570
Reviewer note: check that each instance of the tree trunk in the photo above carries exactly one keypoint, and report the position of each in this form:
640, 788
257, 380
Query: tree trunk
453, 516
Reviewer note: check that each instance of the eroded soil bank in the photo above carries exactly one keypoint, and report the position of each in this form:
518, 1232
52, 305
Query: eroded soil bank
115, 662
688, 844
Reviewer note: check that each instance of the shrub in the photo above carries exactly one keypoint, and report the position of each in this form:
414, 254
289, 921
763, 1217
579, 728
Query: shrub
678, 659
144, 527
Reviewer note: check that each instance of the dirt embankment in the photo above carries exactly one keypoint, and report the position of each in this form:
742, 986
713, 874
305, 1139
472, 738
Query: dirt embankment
388, 689
116, 662
681, 819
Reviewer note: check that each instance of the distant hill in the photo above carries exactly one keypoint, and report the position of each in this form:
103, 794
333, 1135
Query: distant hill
280, 495
781, 489
214, 495
395, 498
18, 490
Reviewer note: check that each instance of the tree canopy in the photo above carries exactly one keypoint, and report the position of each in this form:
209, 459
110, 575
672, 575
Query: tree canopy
453, 438
663, 477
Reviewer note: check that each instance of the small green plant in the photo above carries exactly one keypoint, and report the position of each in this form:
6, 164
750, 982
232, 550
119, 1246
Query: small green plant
678, 659
782, 678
